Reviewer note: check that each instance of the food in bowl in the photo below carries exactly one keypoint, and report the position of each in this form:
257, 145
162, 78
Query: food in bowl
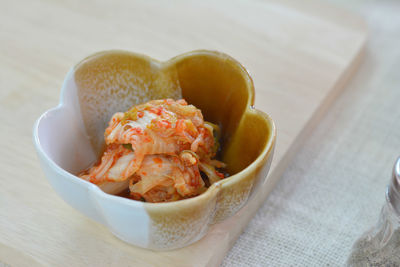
160, 151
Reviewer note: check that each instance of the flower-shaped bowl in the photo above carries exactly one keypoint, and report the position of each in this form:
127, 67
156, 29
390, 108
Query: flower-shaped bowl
70, 136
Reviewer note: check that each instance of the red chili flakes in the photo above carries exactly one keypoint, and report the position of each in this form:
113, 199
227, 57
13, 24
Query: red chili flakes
157, 160
140, 114
146, 138
156, 110
135, 196
137, 130
168, 101
167, 124
220, 175
163, 124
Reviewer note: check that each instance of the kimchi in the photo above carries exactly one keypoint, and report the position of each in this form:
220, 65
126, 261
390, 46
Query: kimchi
162, 151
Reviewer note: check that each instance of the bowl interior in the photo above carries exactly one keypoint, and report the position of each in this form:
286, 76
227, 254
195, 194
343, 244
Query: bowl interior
223, 90
113, 81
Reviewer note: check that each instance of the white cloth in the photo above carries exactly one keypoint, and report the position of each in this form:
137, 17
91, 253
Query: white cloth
335, 186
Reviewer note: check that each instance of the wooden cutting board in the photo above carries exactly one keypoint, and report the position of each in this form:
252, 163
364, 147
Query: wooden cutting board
299, 53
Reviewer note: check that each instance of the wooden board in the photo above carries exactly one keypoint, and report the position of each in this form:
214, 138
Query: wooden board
299, 53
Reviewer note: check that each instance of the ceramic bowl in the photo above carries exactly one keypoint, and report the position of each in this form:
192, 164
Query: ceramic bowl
70, 136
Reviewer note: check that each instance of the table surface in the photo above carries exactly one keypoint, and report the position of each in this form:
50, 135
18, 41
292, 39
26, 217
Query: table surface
330, 193
335, 186
299, 54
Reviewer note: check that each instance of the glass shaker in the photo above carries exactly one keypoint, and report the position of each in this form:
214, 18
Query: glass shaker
380, 246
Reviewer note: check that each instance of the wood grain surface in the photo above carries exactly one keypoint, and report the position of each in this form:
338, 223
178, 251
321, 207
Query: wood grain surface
299, 53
